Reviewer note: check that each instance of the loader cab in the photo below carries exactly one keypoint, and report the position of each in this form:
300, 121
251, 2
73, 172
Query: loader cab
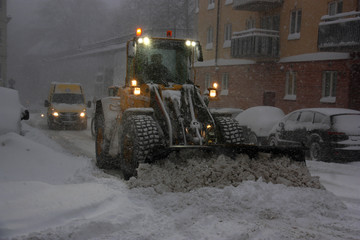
161, 60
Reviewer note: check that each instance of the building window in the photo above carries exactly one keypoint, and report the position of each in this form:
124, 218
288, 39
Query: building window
196, 6
211, 4
207, 81
335, 7
295, 25
290, 86
329, 81
224, 84
227, 35
209, 41
270, 22
250, 23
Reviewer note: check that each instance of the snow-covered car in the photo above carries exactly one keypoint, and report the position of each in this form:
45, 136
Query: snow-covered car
258, 122
11, 111
330, 134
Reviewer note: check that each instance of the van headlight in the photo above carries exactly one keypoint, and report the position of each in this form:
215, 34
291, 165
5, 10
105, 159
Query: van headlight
82, 114
55, 114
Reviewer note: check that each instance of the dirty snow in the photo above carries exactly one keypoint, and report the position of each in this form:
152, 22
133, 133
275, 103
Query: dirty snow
47, 193
185, 173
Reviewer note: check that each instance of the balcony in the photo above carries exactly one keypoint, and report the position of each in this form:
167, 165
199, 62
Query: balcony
255, 43
257, 5
340, 32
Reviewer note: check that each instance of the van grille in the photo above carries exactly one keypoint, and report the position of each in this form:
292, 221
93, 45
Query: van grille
69, 117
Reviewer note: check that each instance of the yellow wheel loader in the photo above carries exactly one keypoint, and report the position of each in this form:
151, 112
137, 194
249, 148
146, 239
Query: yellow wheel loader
160, 109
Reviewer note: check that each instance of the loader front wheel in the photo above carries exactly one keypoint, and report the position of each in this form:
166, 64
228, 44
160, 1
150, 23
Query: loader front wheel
229, 131
140, 136
101, 144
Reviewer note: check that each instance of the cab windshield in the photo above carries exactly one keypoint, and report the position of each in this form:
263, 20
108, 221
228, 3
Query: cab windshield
162, 61
68, 98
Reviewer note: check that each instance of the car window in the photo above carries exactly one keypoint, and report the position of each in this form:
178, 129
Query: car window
319, 118
306, 117
293, 117
348, 123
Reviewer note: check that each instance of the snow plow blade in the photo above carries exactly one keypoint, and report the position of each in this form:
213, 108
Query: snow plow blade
296, 154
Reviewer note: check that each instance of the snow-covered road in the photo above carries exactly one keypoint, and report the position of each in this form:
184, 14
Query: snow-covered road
53, 191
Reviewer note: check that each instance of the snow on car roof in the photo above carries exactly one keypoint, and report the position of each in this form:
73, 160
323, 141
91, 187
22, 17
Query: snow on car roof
331, 111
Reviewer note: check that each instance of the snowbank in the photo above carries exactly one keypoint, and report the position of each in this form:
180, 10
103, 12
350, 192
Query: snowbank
71, 199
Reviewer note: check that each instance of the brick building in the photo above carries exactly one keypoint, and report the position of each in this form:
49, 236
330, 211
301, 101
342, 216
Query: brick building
286, 53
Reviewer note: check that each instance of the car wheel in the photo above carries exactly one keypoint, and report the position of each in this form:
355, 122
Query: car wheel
315, 151
253, 139
273, 141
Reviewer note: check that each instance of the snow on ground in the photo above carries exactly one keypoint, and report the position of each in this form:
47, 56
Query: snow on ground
47, 193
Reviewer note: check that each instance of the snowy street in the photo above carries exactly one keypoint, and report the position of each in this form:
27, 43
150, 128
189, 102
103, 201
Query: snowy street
53, 191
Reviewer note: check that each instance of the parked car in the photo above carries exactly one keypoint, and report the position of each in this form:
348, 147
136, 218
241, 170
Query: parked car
11, 111
330, 134
258, 121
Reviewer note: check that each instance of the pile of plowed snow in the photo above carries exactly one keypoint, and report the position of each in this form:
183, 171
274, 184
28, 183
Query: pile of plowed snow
182, 174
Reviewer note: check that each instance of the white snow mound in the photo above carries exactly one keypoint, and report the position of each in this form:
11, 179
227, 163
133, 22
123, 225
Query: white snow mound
185, 174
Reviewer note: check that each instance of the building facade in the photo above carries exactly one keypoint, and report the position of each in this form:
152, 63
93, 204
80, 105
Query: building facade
286, 53
4, 19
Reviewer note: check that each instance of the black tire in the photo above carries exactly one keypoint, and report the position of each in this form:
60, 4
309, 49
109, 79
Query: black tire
51, 125
253, 139
140, 136
316, 152
229, 131
102, 145
273, 142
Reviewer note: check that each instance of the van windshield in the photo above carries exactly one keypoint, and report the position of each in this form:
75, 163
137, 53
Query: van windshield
68, 98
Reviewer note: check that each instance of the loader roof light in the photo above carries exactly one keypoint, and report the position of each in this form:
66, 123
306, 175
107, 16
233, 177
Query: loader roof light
215, 85
133, 83
212, 93
208, 126
138, 32
190, 43
146, 41
137, 91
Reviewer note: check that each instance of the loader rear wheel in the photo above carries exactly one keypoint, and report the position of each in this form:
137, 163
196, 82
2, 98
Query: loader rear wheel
101, 144
229, 131
139, 138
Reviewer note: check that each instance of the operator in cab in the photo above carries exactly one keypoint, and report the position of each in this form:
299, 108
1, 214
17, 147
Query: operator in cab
156, 71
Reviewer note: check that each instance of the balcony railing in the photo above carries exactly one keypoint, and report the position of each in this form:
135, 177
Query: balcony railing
340, 32
255, 43
256, 5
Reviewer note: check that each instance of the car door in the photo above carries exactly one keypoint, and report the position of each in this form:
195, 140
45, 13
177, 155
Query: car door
288, 127
304, 127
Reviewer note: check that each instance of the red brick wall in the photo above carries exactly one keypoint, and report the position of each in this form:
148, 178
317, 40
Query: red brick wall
247, 84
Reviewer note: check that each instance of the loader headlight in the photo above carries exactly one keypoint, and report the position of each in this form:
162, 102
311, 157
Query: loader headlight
133, 83
137, 91
55, 114
215, 85
212, 93
82, 114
